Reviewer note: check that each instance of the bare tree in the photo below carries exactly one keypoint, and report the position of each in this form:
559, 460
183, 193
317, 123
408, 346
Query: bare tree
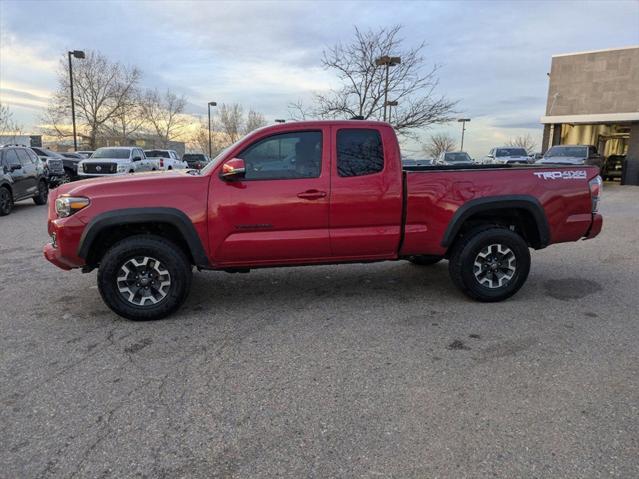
7, 123
165, 115
364, 83
230, 121
525, 141
101, 89
254, 120
438, 144
128, 120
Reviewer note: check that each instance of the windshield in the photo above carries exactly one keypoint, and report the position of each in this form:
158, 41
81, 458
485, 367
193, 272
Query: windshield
567, 151
511, 152
456, 157
156, 153
114, 153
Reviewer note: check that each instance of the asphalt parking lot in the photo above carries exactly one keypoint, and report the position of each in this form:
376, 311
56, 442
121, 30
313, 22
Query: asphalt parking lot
380, 370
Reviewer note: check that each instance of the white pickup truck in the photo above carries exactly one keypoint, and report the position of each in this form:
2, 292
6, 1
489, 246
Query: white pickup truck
165, 159
110, 161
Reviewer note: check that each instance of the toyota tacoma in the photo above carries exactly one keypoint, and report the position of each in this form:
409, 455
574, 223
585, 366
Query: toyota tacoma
316, 192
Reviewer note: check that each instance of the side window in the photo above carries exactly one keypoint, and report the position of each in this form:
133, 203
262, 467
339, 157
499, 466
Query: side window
359, 152
25, 160
11, 158
33, 156
284, 156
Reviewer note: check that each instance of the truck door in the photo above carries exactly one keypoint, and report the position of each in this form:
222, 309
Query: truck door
279, 212
365, 213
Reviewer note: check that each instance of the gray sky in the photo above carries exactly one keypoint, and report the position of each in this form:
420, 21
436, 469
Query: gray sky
264, 55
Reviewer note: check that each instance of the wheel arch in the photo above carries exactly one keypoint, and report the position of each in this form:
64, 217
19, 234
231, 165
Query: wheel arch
523, 211
107, 228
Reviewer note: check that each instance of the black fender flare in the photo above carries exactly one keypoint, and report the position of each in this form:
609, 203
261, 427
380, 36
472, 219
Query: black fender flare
479, 205
130, 216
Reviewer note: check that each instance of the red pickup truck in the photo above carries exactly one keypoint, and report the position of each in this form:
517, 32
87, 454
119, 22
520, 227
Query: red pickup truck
316, 192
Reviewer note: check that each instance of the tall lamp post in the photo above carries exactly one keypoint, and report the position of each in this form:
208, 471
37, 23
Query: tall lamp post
75, 54
388, 62
210, 104
463, 122
390, 103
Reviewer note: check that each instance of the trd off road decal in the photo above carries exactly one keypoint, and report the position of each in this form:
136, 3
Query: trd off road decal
561, 175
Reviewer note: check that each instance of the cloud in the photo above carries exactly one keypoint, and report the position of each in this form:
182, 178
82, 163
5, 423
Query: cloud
494, 55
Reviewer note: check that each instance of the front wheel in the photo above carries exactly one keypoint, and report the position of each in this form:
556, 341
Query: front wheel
490, 265
6, 201
144, 278
43, 193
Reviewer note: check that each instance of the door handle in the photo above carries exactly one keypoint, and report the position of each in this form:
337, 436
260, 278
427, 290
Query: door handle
311, 195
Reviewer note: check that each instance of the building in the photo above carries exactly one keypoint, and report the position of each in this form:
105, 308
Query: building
20, 139
593, 99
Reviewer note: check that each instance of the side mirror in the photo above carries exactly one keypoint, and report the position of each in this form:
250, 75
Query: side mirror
137, 158
233, 169
15, 167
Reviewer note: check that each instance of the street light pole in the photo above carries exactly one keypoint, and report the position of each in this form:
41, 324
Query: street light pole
388, 62
76, 54
210, 104
463, 122
390, 104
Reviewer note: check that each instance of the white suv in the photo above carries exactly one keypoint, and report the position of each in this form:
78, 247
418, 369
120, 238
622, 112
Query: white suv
116, 160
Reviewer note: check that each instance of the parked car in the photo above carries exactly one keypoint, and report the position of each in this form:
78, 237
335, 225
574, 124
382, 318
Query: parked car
454, 158
345, 198
22, 176
165, 160
118, 160
508, 155
572, 155
70, 162
613, 167
196, 161
54, 162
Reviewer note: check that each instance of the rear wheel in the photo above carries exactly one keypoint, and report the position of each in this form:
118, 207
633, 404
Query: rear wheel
6, 201
43, 193
490, 264
424, 260
144, 278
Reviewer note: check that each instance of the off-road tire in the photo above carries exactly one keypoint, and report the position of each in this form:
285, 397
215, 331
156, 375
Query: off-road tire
167, 253
43, 193
6, 201
462, 263
425, 260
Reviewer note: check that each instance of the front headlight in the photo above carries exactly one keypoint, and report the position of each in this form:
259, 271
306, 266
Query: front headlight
67, 205
122, 169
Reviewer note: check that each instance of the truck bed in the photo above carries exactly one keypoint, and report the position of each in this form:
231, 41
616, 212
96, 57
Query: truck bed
435, 196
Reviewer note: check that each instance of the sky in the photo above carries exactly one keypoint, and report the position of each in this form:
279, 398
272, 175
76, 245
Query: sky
493, 55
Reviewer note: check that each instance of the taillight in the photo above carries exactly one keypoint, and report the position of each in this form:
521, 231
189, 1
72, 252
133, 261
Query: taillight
161, 162
596, 185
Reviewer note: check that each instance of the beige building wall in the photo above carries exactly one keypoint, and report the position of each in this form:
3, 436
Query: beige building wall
594, 83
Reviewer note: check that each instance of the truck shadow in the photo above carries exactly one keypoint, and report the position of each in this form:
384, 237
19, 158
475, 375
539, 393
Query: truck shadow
320, 287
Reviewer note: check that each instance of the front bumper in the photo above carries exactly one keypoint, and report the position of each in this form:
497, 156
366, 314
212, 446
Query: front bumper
65, 234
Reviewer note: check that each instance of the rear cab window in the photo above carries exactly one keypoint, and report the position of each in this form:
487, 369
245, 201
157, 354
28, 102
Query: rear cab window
360, 152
